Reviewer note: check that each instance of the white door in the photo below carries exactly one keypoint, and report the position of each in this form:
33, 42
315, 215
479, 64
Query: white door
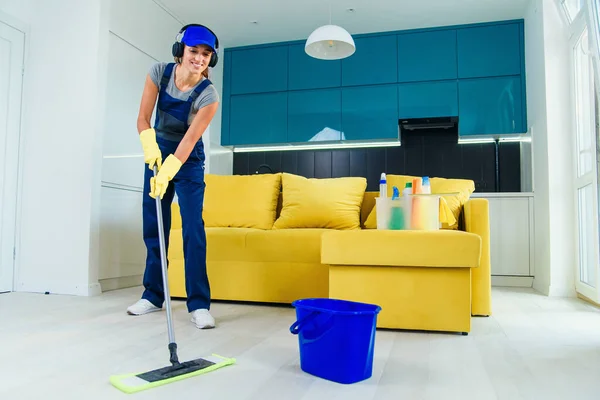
11, 77
586, 181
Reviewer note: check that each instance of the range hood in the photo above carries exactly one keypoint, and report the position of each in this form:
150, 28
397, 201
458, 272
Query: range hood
412, 124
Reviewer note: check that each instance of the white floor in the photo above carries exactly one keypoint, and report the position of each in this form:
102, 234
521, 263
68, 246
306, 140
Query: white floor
533, 347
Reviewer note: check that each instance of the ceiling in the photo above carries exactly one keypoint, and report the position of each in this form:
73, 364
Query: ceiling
284, 20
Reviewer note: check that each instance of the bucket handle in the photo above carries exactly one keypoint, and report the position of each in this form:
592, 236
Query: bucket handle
297, 326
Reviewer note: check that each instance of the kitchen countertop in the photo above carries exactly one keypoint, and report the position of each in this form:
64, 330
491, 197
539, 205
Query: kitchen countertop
502, 194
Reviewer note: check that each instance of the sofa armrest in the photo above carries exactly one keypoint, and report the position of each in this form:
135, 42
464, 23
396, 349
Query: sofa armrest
477, 221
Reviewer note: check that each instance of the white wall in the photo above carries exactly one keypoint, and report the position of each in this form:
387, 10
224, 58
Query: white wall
141, 34
548, 76
81, 161
57, 237
560, 153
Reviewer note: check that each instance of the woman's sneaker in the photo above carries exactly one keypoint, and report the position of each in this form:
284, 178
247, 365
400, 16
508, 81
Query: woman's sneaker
142, 307
203, 319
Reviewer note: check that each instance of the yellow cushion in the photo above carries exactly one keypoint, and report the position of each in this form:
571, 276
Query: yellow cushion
222, 244
445, 248
259, 245
332, 203
228, 244
399, 181
285, 245
459, 191
241, 201
463, 188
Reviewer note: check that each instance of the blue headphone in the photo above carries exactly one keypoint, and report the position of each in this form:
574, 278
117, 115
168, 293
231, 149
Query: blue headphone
178, 46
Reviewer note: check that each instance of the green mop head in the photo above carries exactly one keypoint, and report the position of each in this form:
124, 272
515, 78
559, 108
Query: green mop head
132, 383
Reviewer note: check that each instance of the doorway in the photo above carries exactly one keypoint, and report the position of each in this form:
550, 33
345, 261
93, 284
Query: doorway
12, 43
586, 182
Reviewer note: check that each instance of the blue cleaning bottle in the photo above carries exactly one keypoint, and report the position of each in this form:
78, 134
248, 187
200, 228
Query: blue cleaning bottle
383, 186
396, 212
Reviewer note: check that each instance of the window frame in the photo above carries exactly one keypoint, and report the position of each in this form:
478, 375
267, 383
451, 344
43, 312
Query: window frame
577, 25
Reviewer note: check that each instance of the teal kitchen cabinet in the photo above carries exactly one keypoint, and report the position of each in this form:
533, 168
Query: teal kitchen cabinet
275, 93
258, 118
490, 106
370, 112
226, 99
375, 61
259, 70
493, 50
428, 99
306, 72
314, 115
427, 56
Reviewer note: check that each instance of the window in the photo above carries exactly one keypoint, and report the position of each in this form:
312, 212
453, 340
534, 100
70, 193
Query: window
585, 127
584, 105
572, 7
587, 141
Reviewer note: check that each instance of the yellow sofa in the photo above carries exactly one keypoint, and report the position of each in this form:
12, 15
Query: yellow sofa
276, 238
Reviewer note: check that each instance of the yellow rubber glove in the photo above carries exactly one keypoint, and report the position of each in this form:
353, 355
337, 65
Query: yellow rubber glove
159, 183
152, 153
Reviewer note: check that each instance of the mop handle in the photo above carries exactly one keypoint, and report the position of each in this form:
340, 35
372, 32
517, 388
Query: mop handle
163, 262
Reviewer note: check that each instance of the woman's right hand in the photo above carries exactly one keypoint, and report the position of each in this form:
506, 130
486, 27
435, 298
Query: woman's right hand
152, 154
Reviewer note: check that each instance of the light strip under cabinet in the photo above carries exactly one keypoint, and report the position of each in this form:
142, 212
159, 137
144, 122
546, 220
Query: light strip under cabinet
319, 146
520, 139
506, 139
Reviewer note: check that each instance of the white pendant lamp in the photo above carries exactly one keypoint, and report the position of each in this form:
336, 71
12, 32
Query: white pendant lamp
330, 42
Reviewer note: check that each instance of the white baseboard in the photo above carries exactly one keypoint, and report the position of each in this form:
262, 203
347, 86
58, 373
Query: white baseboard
512, 281
541, 286
561, 291
121, 282
94, 289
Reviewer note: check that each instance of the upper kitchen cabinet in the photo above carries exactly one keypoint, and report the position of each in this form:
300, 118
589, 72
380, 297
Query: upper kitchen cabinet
370, 112
490, 106
491, 50
375, 61
226, 99
258, 118
427, 56
259, 70
275, 93
428, 99
306, 72
314, 115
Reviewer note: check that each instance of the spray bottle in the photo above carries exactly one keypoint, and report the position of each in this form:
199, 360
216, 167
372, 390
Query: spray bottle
396, 212
383, 186
426, 187
407, 204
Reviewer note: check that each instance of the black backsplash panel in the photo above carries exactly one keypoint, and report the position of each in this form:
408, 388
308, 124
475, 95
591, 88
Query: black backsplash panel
422, 154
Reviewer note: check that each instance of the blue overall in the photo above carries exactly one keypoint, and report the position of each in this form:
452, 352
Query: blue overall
172, 120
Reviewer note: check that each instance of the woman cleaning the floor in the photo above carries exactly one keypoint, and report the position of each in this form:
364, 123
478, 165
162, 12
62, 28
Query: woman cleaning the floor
187, 102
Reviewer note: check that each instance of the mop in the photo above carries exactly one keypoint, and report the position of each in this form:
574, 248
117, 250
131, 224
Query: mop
135, 382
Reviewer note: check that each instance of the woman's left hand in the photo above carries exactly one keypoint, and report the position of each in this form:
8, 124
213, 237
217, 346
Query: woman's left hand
160, 183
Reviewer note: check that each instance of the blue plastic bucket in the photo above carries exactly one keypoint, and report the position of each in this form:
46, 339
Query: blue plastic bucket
336, 338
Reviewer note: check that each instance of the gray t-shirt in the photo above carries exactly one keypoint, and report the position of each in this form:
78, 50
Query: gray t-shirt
208, 96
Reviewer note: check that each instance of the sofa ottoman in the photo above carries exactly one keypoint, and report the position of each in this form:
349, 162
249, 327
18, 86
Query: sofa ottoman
421, 279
